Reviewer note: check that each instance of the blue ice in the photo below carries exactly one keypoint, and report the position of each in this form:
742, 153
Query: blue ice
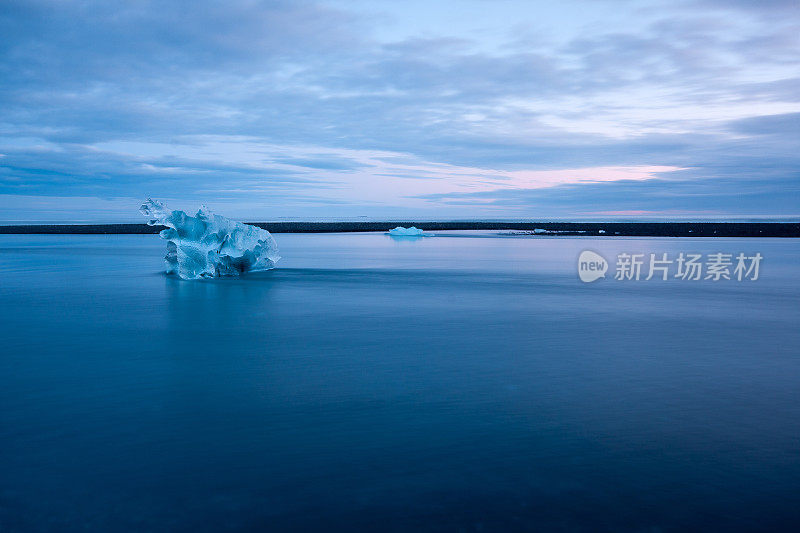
209, 245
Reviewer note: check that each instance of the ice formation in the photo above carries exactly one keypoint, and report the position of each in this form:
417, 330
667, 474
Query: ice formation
209, 245
400, 231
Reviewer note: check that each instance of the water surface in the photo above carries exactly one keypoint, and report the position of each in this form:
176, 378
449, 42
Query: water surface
467, 382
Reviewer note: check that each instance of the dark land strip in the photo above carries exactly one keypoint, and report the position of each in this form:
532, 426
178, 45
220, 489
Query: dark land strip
610, 229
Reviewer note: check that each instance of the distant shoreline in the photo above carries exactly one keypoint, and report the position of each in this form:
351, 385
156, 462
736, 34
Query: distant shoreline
593, 229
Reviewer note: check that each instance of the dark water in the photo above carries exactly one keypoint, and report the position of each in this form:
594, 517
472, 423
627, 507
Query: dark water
448, 384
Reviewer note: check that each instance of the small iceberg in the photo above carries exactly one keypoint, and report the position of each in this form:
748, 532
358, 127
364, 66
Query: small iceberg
400, 231
209, 245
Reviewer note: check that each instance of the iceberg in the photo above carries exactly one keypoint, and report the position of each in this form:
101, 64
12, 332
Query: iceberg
400, 231
209, 245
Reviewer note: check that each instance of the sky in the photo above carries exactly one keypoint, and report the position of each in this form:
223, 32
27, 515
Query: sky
417, 109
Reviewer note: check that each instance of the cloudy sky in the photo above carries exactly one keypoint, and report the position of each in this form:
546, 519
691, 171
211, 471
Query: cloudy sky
425, 109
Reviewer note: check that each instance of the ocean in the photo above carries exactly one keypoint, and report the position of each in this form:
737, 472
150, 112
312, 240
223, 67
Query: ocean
464, 382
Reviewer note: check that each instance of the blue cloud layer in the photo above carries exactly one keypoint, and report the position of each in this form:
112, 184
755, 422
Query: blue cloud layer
710, 87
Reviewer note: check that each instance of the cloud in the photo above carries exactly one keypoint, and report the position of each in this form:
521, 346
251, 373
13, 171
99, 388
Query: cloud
300, 104
322, 162
651, 197
787, 124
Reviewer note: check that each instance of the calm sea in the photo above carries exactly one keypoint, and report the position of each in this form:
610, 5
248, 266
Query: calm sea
465, 382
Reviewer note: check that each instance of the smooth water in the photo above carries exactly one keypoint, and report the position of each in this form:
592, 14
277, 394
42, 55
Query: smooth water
455, 383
